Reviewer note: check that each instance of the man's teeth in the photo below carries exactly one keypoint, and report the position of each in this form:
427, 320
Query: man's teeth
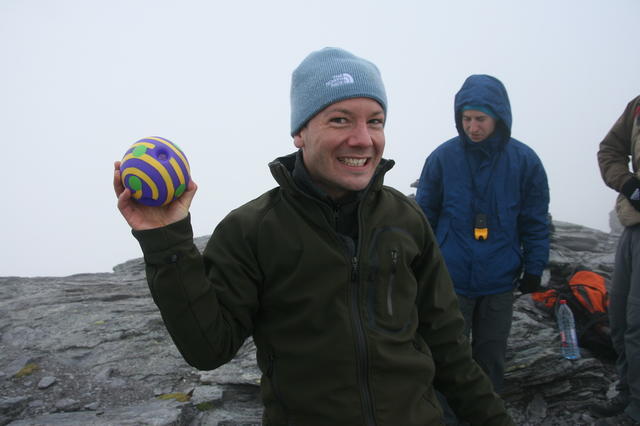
354, 162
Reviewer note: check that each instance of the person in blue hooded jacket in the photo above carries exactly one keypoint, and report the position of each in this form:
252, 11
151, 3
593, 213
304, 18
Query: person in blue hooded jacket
486, 197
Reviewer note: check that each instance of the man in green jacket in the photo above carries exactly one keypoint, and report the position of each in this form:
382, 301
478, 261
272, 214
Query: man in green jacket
338, 278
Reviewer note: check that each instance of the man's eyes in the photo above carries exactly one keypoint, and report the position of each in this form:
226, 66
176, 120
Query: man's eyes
345, 120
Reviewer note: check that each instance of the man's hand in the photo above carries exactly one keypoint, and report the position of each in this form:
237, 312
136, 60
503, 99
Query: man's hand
141, 217
530, 284
631, 190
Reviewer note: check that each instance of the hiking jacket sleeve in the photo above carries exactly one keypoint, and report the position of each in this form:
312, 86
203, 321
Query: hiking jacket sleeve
533, 220
615, 148
429, 191
206, 333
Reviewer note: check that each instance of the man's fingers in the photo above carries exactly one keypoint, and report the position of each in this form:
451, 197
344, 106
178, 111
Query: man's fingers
127, 206
188, 195
124, 199
118, 187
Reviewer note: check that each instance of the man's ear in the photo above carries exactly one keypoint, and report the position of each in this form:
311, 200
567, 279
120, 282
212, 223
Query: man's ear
297, 140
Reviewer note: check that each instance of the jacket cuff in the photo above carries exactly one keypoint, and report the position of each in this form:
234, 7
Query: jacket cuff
630, 186
531, 278
163, 245
535, 269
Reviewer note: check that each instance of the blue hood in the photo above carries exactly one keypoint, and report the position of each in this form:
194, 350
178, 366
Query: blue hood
489, 92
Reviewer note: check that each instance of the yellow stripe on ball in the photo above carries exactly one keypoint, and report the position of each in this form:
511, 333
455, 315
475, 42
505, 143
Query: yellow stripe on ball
160, 169
145, 177
177, 169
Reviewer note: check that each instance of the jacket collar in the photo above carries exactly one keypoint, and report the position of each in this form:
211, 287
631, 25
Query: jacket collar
495, 142
291, 175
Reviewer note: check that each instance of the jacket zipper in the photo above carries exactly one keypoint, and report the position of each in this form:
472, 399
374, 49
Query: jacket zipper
274, 385
361, 347
392, 280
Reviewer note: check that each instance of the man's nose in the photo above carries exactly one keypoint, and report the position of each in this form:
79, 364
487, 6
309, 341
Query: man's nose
360, 135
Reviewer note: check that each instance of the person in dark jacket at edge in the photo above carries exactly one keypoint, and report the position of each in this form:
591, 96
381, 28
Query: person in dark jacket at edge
620, 144
487, 199
337, 278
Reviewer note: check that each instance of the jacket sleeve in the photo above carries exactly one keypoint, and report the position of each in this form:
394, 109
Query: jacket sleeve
466, 387
429, 192
615, 148
207, 309
533, 220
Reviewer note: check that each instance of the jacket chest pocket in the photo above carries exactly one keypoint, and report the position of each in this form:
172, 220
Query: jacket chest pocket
391, 284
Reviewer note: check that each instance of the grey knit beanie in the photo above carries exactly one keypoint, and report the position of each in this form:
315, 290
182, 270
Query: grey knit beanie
330, 75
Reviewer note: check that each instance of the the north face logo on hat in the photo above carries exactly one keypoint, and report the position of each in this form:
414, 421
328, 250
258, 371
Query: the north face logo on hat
340, 80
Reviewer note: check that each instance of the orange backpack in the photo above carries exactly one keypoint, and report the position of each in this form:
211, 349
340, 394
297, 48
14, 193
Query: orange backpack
587, 296
586, 286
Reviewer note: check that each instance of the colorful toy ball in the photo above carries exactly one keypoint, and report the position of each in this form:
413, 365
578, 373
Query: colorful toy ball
155, 170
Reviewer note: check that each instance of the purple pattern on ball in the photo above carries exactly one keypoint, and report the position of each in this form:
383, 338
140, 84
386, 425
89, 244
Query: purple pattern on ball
161, 167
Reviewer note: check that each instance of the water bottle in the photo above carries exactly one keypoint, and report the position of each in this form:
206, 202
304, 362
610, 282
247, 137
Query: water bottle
568, 338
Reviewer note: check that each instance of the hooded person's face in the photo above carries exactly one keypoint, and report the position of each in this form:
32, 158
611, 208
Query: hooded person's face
477, 125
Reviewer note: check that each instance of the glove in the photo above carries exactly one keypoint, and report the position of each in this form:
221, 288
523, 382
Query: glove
631, 190
529, 284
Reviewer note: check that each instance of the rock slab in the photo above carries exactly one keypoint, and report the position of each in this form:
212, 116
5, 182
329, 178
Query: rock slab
91, 349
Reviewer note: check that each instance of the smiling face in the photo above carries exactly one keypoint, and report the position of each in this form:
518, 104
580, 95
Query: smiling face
342, 145
477, 125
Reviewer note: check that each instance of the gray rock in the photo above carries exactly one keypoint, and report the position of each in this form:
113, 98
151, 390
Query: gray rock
102, 338
105, 374
91, 407
156, 413
14, 366
67, 404
36, 403
46, 381
13, 405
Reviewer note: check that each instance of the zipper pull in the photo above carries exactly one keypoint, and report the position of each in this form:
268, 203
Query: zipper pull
394, 259
392, 280
354, 269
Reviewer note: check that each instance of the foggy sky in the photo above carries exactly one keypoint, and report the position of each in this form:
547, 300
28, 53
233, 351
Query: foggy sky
82, 80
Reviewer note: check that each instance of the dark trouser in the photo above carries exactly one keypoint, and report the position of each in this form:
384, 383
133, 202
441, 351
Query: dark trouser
624, 316
488, 324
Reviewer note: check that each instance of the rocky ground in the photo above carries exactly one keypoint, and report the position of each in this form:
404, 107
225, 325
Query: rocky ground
91, 349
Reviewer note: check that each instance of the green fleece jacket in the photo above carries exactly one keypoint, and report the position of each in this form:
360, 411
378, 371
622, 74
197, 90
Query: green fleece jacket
343, 337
